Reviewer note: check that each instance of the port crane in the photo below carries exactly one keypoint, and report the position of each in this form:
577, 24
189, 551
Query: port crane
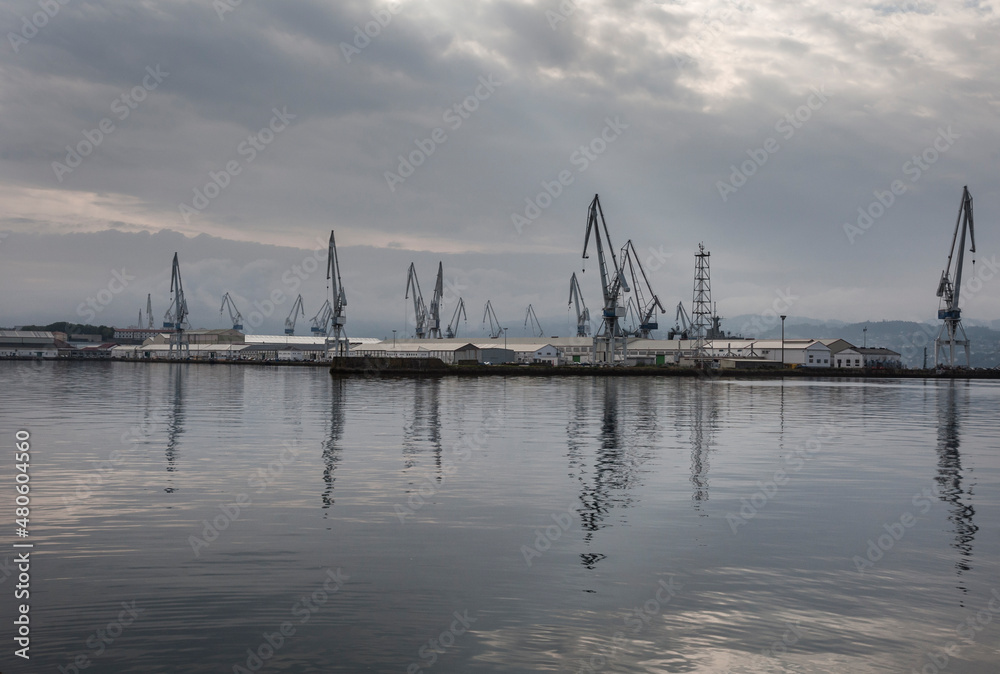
419, 308
177, 313
582, 312
488, 313
645, 310
533, 319
952, 333
338, 315
613, 283
434, 313
296, 311
321, 319
682, 324
234, 314
452, 330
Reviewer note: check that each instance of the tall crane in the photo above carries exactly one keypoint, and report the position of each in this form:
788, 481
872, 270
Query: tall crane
488, 313
149, 310
646, 310
178, 313
949, 310
582, 312
452, 330
419, 308
321, 319
535, 325
235, 317
434, 313
338, 315
296, 311
612, 284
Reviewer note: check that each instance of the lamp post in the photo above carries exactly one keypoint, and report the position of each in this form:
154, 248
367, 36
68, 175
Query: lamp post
865, 331
394, 340
783, 341
505, 339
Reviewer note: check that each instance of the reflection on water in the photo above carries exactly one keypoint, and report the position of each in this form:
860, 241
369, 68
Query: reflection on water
950, 476
331, 444
642, 457
175, 423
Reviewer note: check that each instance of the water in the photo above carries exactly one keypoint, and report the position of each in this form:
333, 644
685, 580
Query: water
522, 524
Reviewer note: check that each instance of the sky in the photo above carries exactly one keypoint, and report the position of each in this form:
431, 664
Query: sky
818, 151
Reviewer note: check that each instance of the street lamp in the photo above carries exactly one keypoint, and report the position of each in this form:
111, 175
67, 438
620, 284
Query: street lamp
783, 340
505, 339
394, 339
866, 336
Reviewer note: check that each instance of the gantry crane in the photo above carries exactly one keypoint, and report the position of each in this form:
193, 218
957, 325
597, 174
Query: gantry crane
177, 313
613, 282
452, 330
535, 325
235, 317
645, 310
338, 315
488, 313
949, 310
582, 312
321, 319
419, 308
296, 311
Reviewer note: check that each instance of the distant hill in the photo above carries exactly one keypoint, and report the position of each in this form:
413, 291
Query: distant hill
906, 337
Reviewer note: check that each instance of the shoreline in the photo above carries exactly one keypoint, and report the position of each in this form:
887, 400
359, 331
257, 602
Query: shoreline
425, 368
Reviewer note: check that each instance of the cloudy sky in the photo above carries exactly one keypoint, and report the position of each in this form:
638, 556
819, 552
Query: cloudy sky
240, 133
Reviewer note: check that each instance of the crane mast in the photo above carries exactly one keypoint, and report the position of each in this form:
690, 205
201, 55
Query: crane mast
582, 312
234, 314
952, 334
177, 313
338, 315
419, 308
293, 315
613, 282
535, 325
682, 324
434, 315
452, 330
149, 310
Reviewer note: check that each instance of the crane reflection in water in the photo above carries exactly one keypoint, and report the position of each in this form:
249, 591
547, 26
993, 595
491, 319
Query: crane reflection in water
424, 424
951, 481
175, 421
618, 457
331, 445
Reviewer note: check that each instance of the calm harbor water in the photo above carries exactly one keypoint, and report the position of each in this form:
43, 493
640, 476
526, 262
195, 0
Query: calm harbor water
196, 518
